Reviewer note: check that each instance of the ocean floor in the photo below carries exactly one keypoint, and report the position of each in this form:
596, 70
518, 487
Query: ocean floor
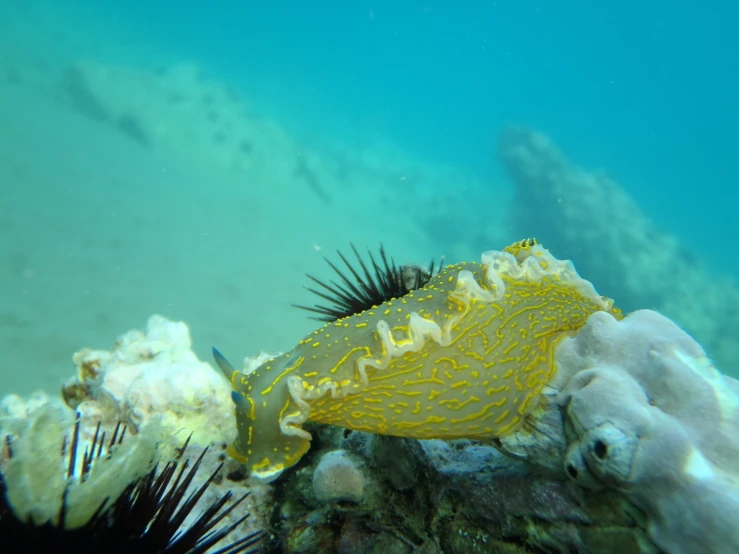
98, 232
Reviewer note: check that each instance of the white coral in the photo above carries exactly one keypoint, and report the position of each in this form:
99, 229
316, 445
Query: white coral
645, 413
155, 375
36, 474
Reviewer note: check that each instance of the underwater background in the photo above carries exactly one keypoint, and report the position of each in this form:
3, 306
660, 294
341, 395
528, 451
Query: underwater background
195, 160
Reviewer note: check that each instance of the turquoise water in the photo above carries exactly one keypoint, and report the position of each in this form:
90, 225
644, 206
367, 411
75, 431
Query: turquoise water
646, 90
400, 106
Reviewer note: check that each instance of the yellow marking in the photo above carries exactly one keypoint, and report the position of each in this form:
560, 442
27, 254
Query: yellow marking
409, 392
503, 430
287, 370
510, 347
495, 390
348, 355
459, 405
386, 375
473, 416
264, 464
525, 404
502, 416
236, 455
415, 425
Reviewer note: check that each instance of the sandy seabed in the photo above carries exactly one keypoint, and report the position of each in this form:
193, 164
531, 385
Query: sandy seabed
98, 232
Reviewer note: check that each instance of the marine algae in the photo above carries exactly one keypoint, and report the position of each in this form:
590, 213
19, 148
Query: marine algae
464, 356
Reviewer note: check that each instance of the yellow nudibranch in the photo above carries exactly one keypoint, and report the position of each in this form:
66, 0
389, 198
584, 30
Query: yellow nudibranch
464, 356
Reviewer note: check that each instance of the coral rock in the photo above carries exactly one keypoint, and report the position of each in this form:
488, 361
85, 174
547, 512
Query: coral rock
155, 374
648, 416
590, 217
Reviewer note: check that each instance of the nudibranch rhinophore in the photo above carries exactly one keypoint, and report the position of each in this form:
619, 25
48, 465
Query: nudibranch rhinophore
466, 355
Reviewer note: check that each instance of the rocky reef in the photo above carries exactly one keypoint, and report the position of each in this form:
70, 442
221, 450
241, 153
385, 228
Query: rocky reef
589, 217
181, 111
633, 445
633, 448
150, 388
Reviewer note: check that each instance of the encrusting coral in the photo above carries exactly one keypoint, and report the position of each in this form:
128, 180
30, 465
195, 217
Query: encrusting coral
638, 408
465, 355
647, 414
43, 461
604, 433
153, 375
112, 497
523, 353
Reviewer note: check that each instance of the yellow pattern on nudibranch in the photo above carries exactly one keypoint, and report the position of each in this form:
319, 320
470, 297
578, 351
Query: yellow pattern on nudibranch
464, 356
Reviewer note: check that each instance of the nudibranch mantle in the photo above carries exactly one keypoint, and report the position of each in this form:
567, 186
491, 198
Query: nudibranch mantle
464, 356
